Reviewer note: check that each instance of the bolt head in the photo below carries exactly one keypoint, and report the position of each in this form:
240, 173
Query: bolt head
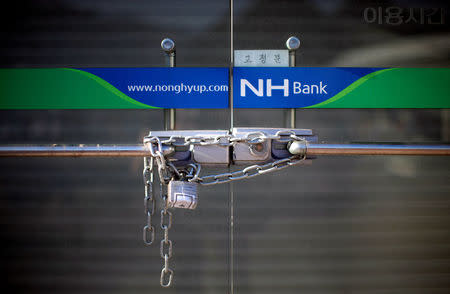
168, 45
293, 43
257, 149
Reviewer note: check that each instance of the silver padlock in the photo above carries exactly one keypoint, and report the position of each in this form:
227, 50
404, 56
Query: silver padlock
182, 194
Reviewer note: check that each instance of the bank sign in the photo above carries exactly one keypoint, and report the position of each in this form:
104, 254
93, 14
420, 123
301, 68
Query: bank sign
302, 87
291, 87
253, 87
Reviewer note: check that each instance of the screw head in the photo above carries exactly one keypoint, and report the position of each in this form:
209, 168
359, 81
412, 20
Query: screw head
257, 149
293, 43
168, 45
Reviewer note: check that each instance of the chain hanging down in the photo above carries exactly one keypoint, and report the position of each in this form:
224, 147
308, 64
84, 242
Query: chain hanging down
166, 243
166, 221
149, 201
178, 184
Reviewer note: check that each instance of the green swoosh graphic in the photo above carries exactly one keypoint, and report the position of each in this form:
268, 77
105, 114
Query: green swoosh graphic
395, 88
350, 88
111, 88
60, 88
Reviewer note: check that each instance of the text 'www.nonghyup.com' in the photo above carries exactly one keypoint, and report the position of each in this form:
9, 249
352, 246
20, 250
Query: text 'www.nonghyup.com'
178, 88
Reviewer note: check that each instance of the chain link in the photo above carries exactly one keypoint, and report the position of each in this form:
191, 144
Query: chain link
250, 171
166, 246
163, 167
166, 243
222, 140
148, 233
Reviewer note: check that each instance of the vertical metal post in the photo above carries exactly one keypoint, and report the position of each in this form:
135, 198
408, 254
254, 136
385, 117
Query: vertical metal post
445, 129
169, 114
293, 43
231, 186
169, 119
230, 82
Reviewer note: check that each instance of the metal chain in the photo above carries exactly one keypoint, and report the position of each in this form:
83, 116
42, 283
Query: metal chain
166, 244
166, 216
166, 221
226, 140
148, 233
191, 173
166, 169
250, 171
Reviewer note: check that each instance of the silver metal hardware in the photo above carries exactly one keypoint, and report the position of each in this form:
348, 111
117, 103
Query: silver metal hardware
250, 145
168, 46
266, 146
274, 143
203, 146
297, 147
167, 150
178, 156
139, 150
293, 43
166, 248
148, 233
182, 194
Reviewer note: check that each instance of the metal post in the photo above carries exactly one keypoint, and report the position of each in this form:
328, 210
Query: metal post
293, 43
169, 119
169, 114
231, 66
231, 186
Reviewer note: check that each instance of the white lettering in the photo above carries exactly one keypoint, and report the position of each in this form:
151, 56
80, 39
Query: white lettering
322, 88
285, 87
297, 88
259, 92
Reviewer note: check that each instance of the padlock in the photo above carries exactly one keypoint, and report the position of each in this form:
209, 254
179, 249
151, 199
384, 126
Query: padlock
182, 194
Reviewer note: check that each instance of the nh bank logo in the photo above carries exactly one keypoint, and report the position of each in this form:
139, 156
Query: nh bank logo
287, 88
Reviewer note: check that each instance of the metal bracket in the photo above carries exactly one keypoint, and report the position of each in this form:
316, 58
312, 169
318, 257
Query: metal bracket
269, 150
235, 147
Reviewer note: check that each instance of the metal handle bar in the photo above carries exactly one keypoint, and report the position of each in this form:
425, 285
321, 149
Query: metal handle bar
141, 151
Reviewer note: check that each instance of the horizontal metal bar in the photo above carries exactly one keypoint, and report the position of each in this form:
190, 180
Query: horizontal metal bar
140, 151
377, 149
74, 151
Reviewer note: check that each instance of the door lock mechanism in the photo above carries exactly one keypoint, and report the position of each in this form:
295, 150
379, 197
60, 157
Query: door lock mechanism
179, 156
223, 148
